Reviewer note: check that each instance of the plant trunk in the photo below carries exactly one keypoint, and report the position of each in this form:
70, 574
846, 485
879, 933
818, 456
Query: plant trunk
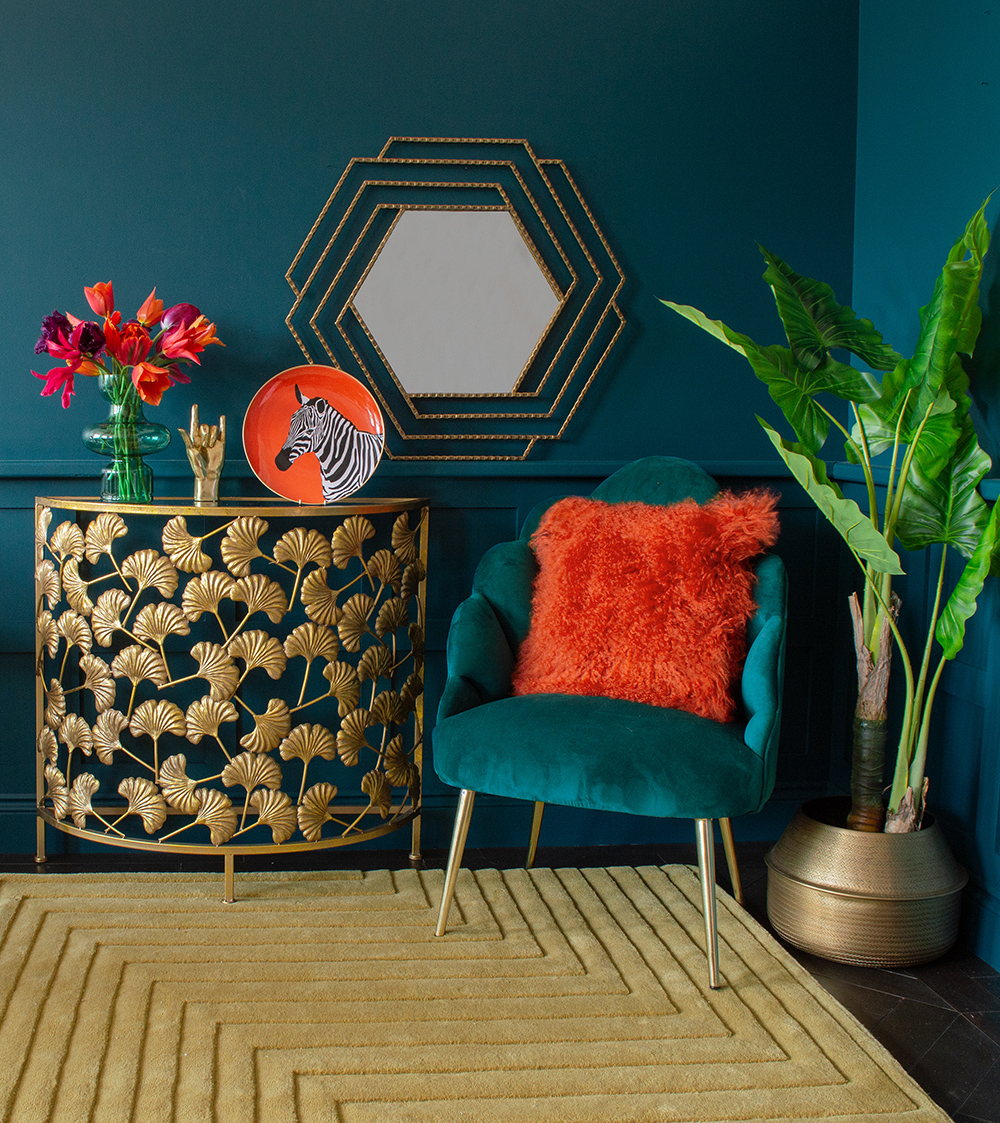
870, 723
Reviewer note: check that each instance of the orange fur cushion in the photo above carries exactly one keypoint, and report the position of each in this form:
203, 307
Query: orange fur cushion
643, 602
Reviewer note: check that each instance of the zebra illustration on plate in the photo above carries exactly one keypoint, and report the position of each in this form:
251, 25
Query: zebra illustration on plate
347, 455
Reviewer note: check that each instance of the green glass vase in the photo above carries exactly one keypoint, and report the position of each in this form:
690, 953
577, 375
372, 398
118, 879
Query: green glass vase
126, 436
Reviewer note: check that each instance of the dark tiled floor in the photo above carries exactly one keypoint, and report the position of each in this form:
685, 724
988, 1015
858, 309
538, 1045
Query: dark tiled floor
941, 1021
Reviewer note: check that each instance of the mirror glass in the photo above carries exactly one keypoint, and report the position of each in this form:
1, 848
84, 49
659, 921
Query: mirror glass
456, 301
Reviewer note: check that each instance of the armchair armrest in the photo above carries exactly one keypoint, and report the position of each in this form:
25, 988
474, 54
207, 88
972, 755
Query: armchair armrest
480, 658
488, 628
764, 668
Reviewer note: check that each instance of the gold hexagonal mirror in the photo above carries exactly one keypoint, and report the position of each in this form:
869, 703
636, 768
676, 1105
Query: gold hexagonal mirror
467, 282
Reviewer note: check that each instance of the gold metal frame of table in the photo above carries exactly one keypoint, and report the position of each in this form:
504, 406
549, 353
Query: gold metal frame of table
237, 671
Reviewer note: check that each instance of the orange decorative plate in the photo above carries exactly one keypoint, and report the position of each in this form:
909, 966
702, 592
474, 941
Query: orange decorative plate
313, 434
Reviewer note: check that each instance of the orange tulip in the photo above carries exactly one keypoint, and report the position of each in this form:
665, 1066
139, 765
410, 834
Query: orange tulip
101, 298
150, 382
151, 310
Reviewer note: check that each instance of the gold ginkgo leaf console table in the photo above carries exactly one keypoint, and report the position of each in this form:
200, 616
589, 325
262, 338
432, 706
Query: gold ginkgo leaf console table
235, 679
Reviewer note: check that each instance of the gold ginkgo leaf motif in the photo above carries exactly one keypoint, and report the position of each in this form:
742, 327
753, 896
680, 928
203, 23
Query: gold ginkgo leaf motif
387, 708
155, 717
301, 546
48, 746
75, 630
270, 729
385, 568
144, 800
55, 704
217, 668
99, 681
379, 792
308, 741
101, 534
252, 770
47, 581
314, 810
311, 641
106, 730
43, 517
353, 624
349, 539
106, 619
205, 716
391, 616
205, 592
275, 810
48, 636
319, 600
217, 813
416, 635
397, 763
351, 736
56, 790
75, 733
404, 539
150, 569
137, 663
261, 594
157, 621
80, 794
344, 685
375, 662
76, 588
239, 547
414, 573
411, 691
183, 549
177, 786
258, 649
67, 542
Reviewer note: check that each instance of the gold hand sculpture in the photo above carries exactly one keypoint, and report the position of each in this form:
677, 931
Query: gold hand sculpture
206, 450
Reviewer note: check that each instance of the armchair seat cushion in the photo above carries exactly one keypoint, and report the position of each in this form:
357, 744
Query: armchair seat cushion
602, 753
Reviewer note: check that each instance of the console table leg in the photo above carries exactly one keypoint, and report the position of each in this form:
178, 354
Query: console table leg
230, 875
415, 857
40, 855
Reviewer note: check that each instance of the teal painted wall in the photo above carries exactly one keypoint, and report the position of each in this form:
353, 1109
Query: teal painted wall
928, 154
193, 150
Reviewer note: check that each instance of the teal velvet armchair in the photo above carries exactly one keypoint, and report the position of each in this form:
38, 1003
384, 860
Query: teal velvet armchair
605, 753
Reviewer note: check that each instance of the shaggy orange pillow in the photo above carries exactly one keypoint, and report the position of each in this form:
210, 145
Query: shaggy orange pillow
644, 602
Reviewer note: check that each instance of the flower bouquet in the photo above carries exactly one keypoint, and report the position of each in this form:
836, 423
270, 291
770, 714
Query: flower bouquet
134, 364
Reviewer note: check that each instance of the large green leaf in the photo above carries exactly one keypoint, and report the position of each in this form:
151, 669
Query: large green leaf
937, 438
845, 515
950, 631
816, 324
792, 386
947, 508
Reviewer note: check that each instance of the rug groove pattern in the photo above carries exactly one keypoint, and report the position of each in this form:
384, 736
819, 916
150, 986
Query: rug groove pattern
557, 996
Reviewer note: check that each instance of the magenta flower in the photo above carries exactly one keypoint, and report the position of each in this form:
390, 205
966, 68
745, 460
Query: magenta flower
179, 316
51, 325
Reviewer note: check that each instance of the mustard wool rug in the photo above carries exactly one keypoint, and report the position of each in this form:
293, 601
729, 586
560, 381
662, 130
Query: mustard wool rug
557, 996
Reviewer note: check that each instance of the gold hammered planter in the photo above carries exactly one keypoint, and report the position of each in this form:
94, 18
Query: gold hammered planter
875, 900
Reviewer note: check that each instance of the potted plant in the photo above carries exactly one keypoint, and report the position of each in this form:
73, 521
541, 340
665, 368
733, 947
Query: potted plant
910, 430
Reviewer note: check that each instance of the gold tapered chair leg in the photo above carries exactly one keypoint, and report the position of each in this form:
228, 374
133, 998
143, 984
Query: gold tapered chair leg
463, 816
729, 845
706, 868
536, 826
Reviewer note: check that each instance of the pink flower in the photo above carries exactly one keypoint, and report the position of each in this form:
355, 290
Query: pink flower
187, 341
60, 376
